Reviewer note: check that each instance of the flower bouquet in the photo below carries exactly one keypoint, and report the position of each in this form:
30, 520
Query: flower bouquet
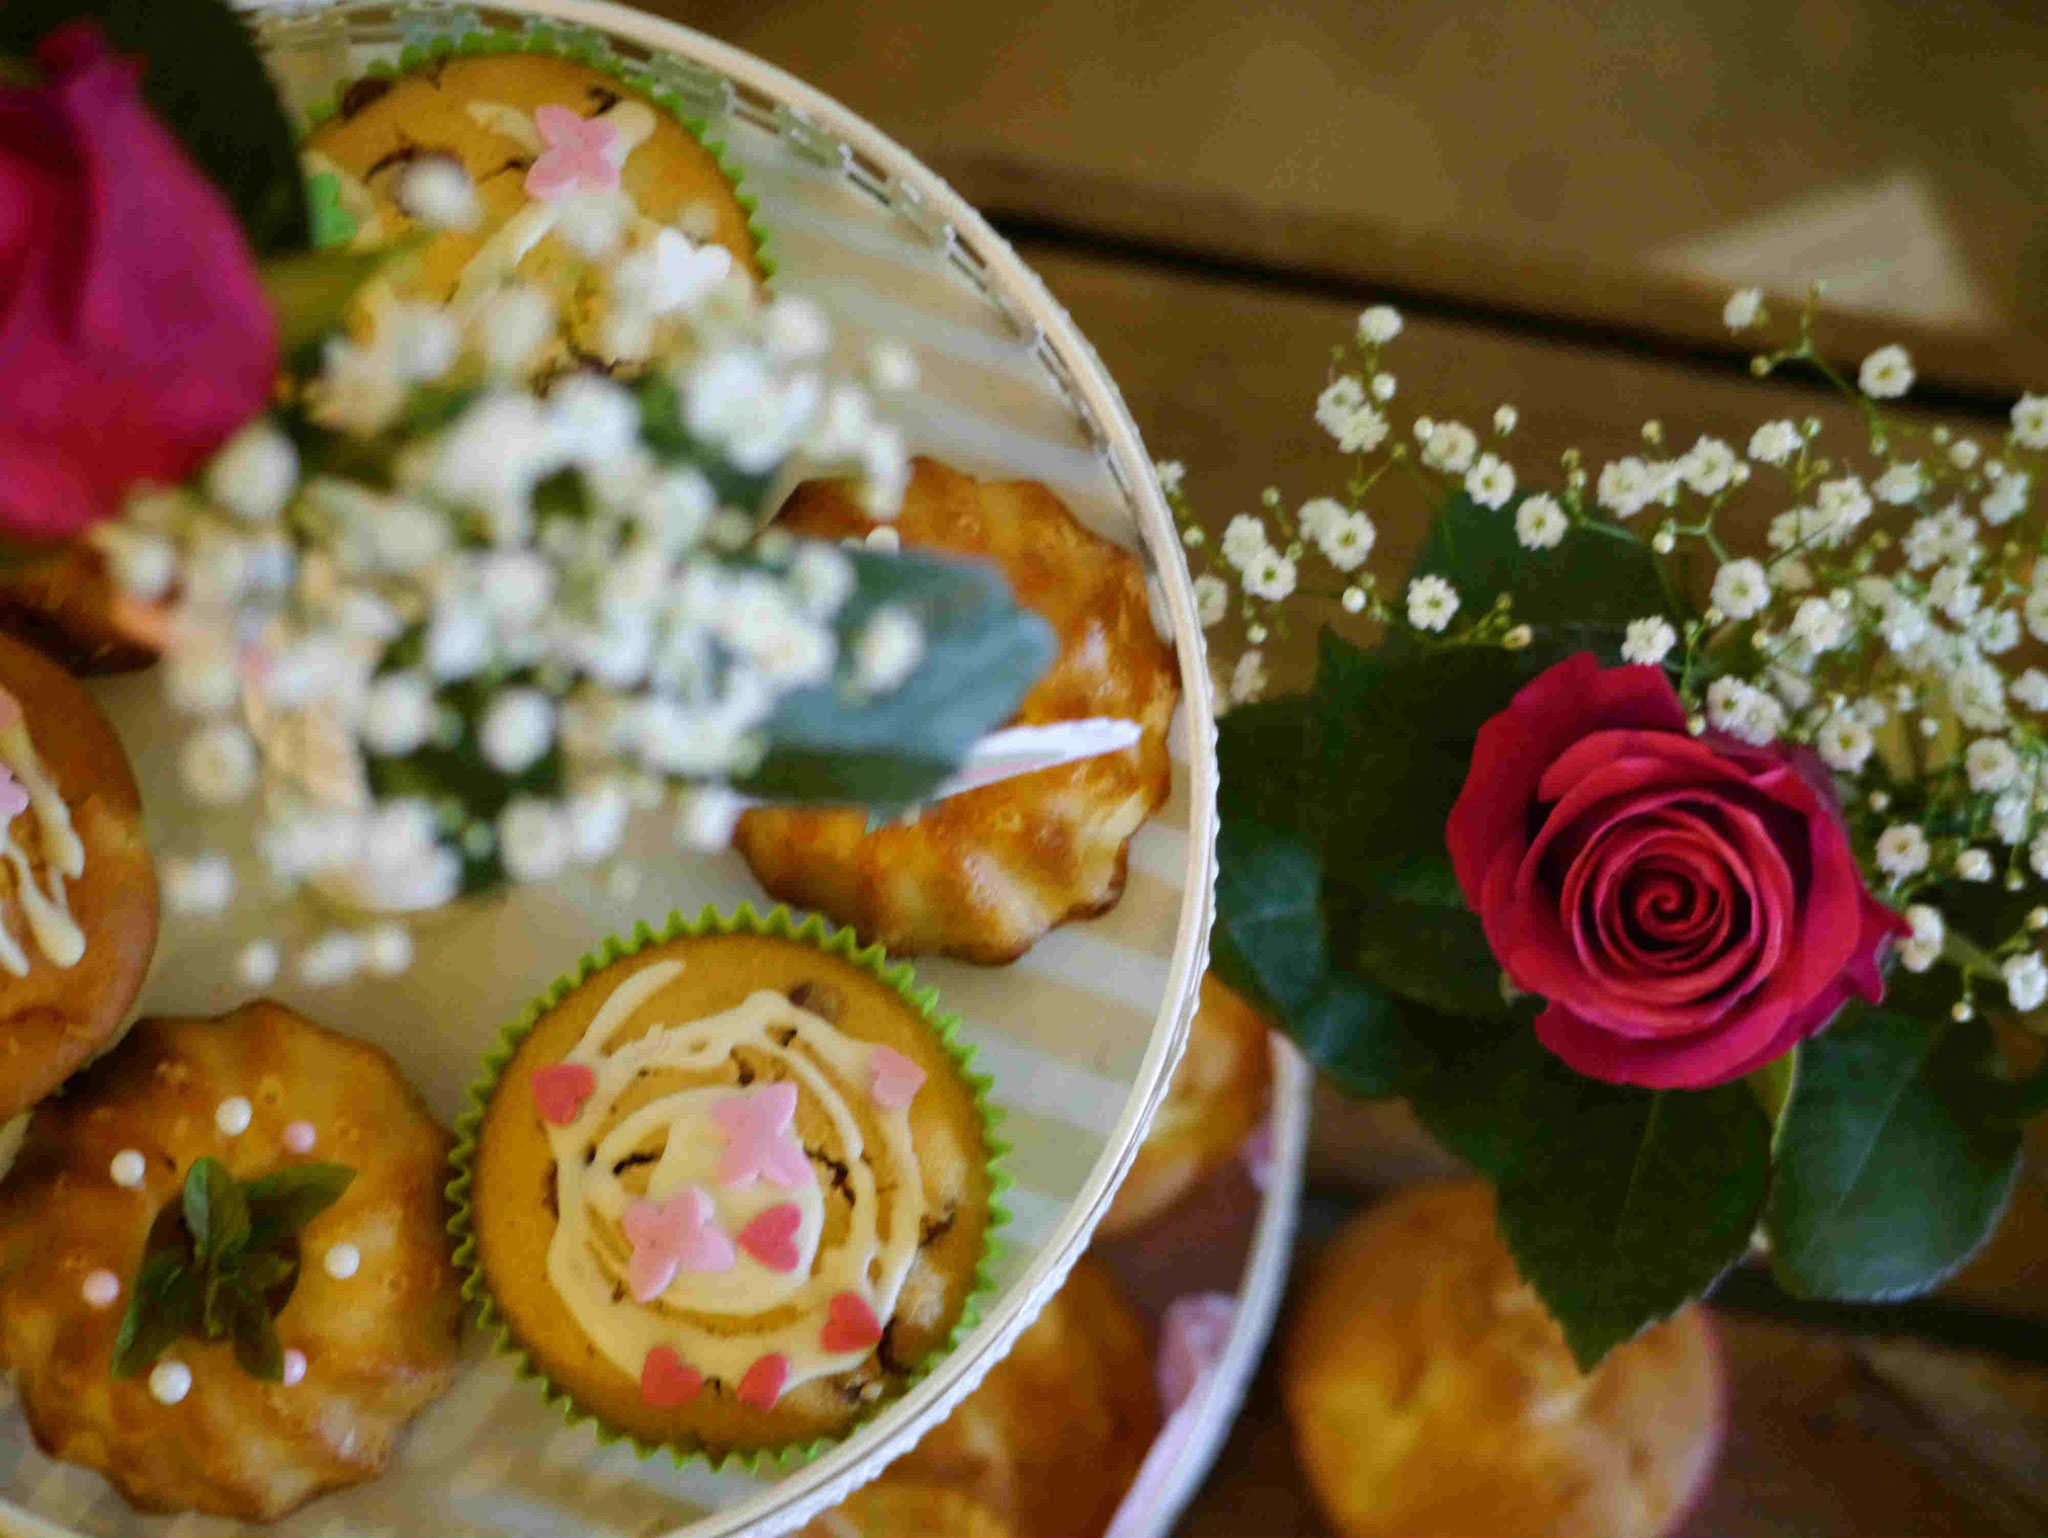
1693, 895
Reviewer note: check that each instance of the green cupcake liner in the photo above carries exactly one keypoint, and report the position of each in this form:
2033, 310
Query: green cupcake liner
587, 47
778, 924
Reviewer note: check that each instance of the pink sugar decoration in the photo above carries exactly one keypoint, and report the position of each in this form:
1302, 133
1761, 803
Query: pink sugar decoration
300, 1137
13, 799
581, 155
666, 1380
759, 1139
896, 1079
680, 1234
762, 1383
560, 1089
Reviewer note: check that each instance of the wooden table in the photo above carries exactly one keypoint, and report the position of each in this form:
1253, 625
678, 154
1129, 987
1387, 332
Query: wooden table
1214, 245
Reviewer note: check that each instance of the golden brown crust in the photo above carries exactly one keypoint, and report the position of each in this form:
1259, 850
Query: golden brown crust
379, 1346
982, 875
902, 1508
1058, 1429
515, 1164
67, 607
1430, 1393
1219, 1095
55, 1019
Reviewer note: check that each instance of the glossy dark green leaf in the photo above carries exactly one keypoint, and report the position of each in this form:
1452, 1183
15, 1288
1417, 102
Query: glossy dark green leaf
982, 654
1894, 1161
161, 1304
203, 76
1432, 953
216, 1216
282, 1203
257, 1348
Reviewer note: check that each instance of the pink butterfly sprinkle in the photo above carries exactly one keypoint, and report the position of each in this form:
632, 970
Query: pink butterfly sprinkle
13, 799
759, 1140
680, 1234
580, 156
896, 1079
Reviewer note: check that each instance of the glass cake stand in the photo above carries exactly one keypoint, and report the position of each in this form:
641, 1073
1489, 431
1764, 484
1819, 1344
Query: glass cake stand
1079, 1036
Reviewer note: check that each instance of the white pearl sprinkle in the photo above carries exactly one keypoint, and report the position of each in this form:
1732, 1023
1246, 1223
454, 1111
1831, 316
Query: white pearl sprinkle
233, 1115
342, 1262
170, 1382
294, 1368
101, 1289
128, 1168
299, 1137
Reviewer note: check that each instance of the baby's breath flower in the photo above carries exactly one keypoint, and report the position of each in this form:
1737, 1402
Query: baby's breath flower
1886, 374
2030, 422
255, 474
1899, 485
2010, 818
1248, 678
1539, 522
1383, 386
1991, 764
1648, 640
1490, 482
1628, 485
1976, 690
1379, 325
331, 960
1517, 638
2026, 980
1741, 588
1774, 443
1841, 506
1212, 599
2007, 500
1954, 593
1844, 743
1318, 515
517, 730
1818, 624
200, 886
1346, 415
398, 714
1347, 542
1244, 540
218, 764
1922, 948
1709, 466
1505, 419
1450, 447
1902, 851
2030, 689
1431, 603
1996, 631
2037, 854
1354, 600
535, 839
1270, 575
1974, 865
1744, 309
1963, 453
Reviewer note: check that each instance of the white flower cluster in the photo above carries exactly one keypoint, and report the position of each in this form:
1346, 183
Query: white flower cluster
425, 555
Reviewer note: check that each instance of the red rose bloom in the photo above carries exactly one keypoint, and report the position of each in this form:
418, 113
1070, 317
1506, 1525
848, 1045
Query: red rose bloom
1689, 905
134, 336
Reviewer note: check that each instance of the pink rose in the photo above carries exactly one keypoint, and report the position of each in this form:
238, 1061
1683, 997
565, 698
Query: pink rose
1689, 905
134, 336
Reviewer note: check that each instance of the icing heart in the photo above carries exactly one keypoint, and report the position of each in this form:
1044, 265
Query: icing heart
763, 1382
680, 1234
896, 1079
850, 1324
771, 1237
759, 1139
666, 1380
559, 1091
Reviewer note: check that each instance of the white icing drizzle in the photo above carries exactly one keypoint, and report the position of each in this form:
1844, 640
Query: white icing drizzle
709, 1318
47, 909
509, 121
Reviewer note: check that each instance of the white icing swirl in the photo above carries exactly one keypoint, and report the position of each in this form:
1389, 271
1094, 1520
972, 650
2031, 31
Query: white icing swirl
715, 1320
45, 907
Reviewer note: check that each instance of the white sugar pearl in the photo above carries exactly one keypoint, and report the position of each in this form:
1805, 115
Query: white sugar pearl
232, 1116
342, 1262
294, 1368
101, 1288
258, 963
300, 1137
128, 1168
170, 1382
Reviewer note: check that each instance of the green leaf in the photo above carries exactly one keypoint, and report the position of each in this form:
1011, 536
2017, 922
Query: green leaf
257, 1348
216, 1215
982, 655
1894, 1162
1432, 953
1583, 593
1618, 1203
160, 1307
205, 79
281, 1204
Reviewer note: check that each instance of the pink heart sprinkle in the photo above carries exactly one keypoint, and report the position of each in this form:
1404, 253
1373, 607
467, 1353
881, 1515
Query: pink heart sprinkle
680, 1234
763, 1382
896, 1079
583, 154
850, 1324
770, 1237
666, 1380
13, 799
559, 1091
759, 1140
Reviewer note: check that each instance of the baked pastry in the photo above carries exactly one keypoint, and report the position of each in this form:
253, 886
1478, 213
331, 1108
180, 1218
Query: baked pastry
1218, 1096
542, 139
1057, 1431
365, 1314
78, 899
731, 1191
890, 1507
1430, 1393
983, 874
68, 607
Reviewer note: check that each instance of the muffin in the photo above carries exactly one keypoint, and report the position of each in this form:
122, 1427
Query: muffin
67, 606
544, 140
361, 1301
78, 899
730, 1186
1431, 1394
983, 874
1059, 1428
1218, 1096
904, 1508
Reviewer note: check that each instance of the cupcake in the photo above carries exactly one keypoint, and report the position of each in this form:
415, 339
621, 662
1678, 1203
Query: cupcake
1218, 1096
1059, 1428
68, 607
1430, 1393
729, 1187
983, 874
563, 157
78, 898
225, 1273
